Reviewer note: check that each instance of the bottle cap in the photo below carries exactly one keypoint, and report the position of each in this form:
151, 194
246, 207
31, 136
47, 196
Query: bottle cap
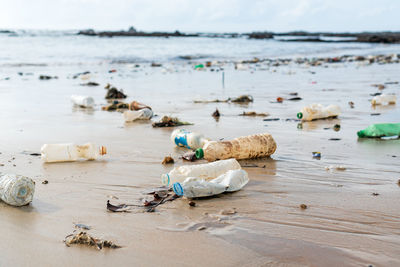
178, 189
199, 153
299, 115
103, 150
361, 133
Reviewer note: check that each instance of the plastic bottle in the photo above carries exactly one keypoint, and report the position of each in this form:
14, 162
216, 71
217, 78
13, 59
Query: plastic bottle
16, 190
141, 114
230, 181
383, 100
82, 101
188, 139
71, 152
246, 147
202, 171
318, 111
380, 130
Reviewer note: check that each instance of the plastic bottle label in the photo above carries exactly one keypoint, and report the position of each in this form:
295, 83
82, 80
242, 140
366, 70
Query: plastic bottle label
181, 139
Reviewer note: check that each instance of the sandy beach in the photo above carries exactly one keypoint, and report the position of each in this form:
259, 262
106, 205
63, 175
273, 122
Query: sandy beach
352, 216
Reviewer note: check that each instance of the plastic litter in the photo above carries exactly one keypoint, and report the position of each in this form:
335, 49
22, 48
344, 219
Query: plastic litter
380, 130
191, 140
142, 114
167, 121
318, 111
246, 147
16, 190
231, 181
202, 171
71, 152
82, 101
383, 99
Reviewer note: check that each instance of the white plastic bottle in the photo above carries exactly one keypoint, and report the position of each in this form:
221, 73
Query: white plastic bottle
141, 114
71, 152
16, 190
82, 101
245, 147
318, 111
188, 139
383, 100
202, 171
230, 181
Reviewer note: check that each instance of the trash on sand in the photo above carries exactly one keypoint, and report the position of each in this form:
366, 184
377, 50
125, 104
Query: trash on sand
45, 182
116, 105
245, 147
84, 238
295, 98
351, 104
316, 155
167, 121
335, 167
16, 190
318, 111
240, 99
375, 94
199, 66
35, 154
379, 86
90, 84
112, 71
375, 194
383, 100
336, 127
82, 226
82, 101
192, 204
191, 140
272, 119
253, 114
334, 139
279, 99
133, 115
114, 93
47, 77
189, 156
303, 206
81, 74
201, 171
380, 130
134, 105
156, 65
375, 114
117, 208
168, 160
228, 212
192, 187
243, 99
216, 114
71, 152
159, 198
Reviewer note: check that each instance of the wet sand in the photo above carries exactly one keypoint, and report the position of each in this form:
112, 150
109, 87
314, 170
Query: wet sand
344, 224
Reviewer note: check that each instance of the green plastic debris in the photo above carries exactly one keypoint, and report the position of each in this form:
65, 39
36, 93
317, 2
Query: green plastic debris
380, 130
200, 66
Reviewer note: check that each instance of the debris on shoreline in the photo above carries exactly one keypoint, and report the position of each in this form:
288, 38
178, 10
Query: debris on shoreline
240, 99
47, 77
90, 84
168, 160
116, 105
253, 114
168, 121
114, 93
84, 238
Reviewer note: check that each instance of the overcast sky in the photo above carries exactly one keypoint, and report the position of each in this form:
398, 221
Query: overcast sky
202, 15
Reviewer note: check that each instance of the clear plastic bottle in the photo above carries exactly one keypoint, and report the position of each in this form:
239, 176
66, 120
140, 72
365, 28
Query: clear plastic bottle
71, 152
318, 111
202, 171
230, 181
383, 100
246, 147
16, 190
182, 137
141, 114
82, 101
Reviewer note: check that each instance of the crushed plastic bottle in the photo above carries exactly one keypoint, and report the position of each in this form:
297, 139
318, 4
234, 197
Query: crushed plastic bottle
318, 111
202, 171
230, 181
383, 100
82, 101
246, 147
141, 114
71, 152
188, 139
380, 130
16, 190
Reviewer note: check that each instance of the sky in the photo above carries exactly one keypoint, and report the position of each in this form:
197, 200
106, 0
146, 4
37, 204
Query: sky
203, 15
